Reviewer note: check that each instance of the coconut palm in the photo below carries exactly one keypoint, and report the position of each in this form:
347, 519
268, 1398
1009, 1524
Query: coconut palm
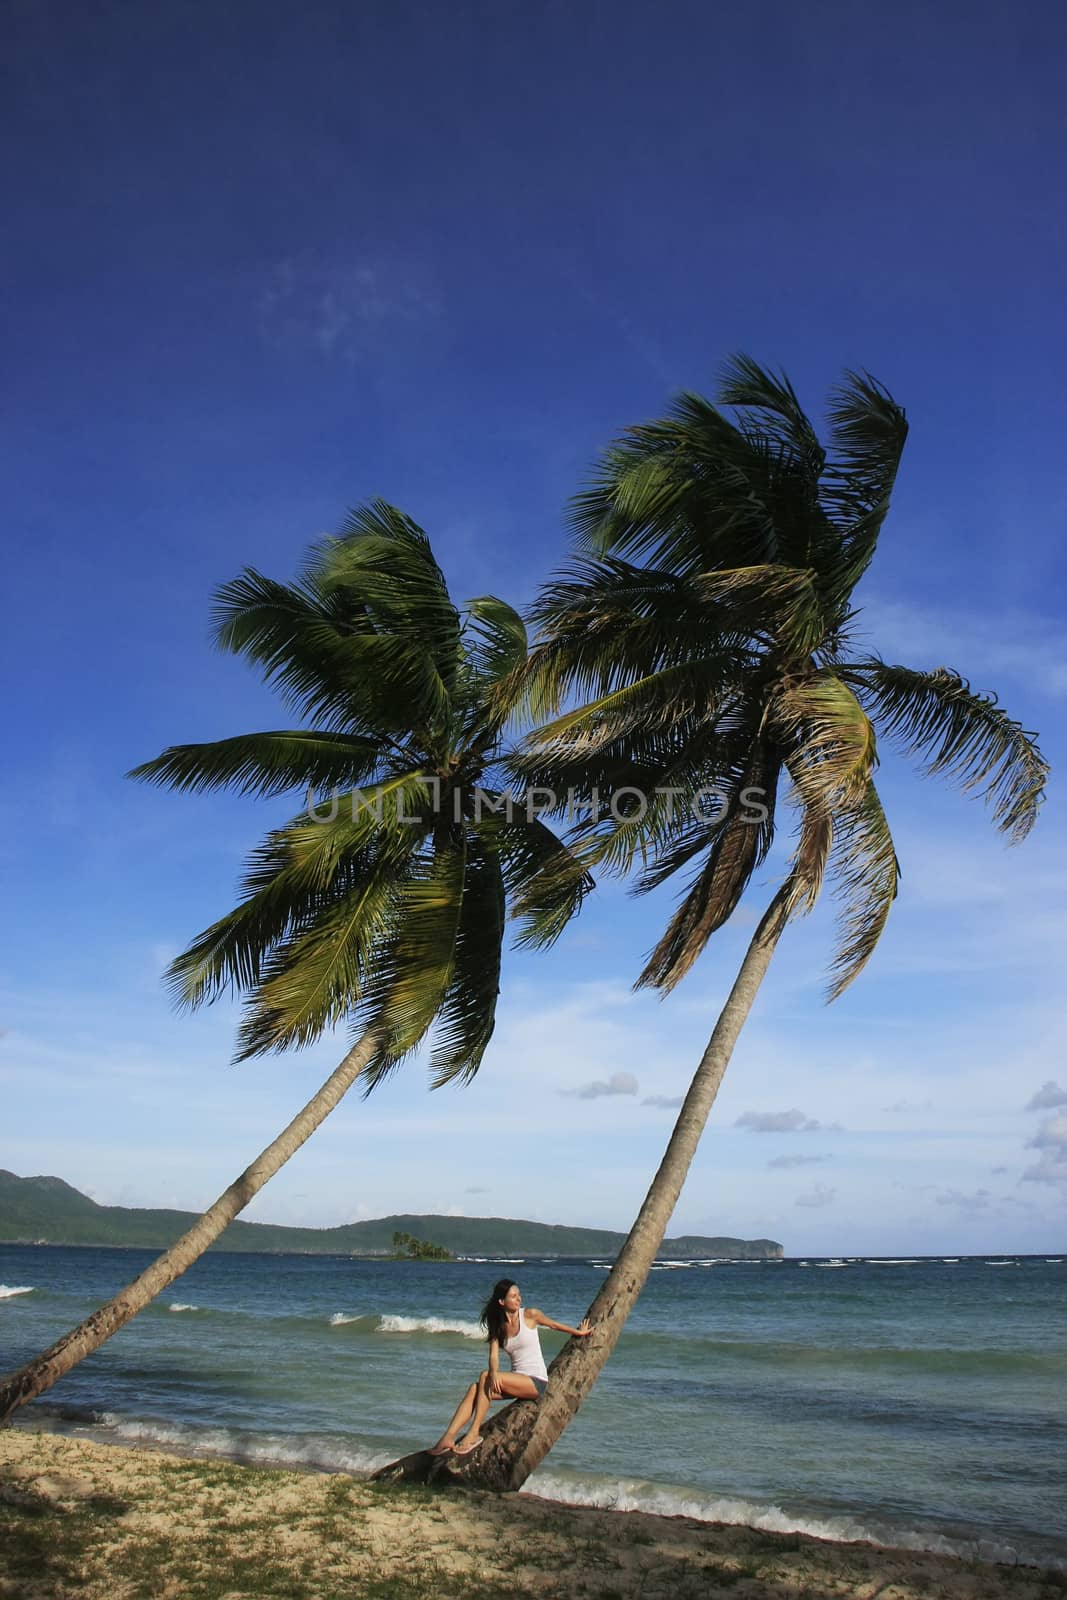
384, 907
705, 630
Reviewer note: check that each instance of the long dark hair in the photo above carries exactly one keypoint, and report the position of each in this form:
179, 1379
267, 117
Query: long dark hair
494, 1319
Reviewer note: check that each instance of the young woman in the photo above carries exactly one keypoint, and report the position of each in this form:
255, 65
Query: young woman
510, 1327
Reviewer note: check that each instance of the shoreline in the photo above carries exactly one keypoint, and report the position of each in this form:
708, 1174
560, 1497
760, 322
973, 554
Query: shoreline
117, 1521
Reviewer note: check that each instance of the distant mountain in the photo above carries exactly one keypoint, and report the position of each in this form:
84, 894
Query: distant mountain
49, 1211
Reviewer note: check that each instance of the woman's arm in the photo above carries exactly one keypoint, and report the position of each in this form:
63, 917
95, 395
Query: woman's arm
582, 1331
494, 1364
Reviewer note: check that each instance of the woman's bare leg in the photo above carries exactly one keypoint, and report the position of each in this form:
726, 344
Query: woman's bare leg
460, 1417
509, 1386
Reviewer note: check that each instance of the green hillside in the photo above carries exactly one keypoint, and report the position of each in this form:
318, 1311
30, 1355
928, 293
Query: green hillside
49, 1211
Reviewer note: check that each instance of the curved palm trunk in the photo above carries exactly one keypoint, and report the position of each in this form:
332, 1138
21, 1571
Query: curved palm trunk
518, 1438
43, 1371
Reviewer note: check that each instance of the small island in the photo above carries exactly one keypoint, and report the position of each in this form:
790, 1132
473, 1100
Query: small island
407, 1248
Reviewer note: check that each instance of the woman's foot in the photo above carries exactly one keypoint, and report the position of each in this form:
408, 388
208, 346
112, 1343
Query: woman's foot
443, 1447
468, 1445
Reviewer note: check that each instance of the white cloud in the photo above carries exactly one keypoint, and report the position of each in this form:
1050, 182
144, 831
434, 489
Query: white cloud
1051, 1135
1051, 1140
792, 1121
1047, 1097
618, 1083
347, 311
1024, 645
980, 1200
1051, 1168
820, 1195
786, 1163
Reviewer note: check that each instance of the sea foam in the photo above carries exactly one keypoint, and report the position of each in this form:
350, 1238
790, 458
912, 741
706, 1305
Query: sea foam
334, 1453
661, 1500
8, 1291
392, 1324
322, 1451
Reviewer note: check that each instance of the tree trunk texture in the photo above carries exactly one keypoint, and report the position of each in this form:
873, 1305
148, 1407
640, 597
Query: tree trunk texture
517, 1439
44, 1370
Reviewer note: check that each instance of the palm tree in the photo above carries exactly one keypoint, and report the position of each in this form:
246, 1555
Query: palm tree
388, 912
720, 664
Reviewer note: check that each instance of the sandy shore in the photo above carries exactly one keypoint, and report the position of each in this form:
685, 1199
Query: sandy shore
80, 1519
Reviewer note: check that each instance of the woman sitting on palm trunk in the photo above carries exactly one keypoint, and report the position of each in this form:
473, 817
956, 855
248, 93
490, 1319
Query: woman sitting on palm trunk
512, 1328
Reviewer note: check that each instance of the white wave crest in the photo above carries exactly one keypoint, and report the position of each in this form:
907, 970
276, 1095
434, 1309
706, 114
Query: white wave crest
664, 1501
339, 1319
180, 1305
338, 1453
321, 1451
8, 1291
468, 1330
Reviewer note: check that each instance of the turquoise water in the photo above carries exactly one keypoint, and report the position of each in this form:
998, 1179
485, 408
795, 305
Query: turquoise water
919, 1403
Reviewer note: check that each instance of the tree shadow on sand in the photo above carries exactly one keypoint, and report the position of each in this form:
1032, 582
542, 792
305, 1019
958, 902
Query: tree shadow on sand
43, 1518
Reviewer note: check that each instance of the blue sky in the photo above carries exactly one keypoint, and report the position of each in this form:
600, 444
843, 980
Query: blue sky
265, 262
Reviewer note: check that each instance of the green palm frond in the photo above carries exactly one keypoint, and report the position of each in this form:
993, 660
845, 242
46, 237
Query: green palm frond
547, 881
265, 764
966, 736
370, 905
383, 561
686, 493
286, 631
866, 873
323, 654
709, 625
413, 972
694, 690
868, 431
315, 978
768, 402
604, 624
741, 842
467, 1014
495, 638
634, 797
294, 875
636, 497
580, 775
770, 604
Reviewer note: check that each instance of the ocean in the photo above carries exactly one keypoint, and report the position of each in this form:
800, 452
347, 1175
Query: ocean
920, 1403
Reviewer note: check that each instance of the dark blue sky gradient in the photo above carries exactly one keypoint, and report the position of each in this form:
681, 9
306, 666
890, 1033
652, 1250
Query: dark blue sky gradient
264, 261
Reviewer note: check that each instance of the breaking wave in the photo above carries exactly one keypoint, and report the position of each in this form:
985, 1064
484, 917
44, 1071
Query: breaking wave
662, 1500
468, 1330
390, 1323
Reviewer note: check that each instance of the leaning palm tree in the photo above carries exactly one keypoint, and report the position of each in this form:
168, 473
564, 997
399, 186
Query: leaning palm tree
387, 912
705, 631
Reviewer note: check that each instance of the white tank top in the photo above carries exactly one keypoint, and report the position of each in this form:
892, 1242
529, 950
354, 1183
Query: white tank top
525, 1351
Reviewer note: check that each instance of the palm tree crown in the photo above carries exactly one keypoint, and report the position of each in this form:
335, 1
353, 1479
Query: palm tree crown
385, 906
705, 629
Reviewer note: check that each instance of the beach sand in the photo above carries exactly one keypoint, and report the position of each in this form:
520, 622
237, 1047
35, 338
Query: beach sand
81, 1519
